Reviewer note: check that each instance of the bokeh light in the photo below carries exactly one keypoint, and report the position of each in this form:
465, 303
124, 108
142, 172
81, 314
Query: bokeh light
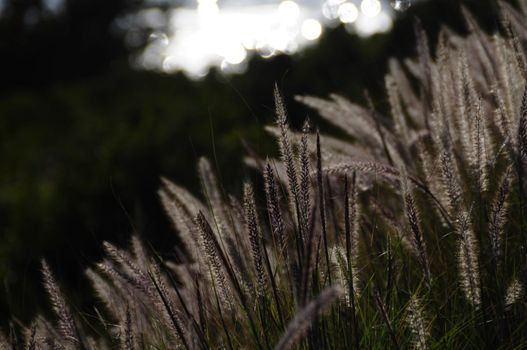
209, 33
311, 29
235, 54
402, 5
289, 11
348, 12
370, 8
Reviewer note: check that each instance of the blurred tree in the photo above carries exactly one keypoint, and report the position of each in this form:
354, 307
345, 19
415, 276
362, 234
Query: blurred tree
44, 41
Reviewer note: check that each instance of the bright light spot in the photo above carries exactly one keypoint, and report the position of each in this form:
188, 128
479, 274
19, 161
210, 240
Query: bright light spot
348, 12
289, 11
248, 43
208, 9
311, 29
401, 5
170, 64
330, 8
210, 33
370, 8
153, 18
265, 50
365, 26
235, 54
278, 40
158, 38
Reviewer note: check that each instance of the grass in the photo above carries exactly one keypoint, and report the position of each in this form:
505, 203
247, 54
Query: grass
411, 236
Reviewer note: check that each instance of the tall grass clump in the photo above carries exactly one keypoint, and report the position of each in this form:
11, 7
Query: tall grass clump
412, 235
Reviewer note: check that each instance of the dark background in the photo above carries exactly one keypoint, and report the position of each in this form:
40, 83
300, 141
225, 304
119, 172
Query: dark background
84, 137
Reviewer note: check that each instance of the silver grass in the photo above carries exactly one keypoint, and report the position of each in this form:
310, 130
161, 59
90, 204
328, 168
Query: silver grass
135, 274
423, 55
412, 216
300, 324
181, 208
340, 261
171, 315
444, 73
212, 256
220, 215
139, 252
468, 261
383, 310
181, 221
430, 169
515, 292
191, 203
239, 246
186, 275
480, 139
517, 20
407, 94
99, 344
477, 154
341, 116
31, 341
313, 235
4, 343
335, 151
504, 88
281, 179
357, 121
255, 237
210, 185
502, 115
53, 344
274, 210
354, 238
523, 6
517, 82
106, 292
122, 279
450, 175
44, 330
338, 267
376, 128
127, 337
375, 168
497, 219
130, 290
215, 198
137, 291
522, 131
401, 127
286, 154
481, 44
519, 54
66, 323
305, 179
398, 230
466, 103
417, 323
504, 82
